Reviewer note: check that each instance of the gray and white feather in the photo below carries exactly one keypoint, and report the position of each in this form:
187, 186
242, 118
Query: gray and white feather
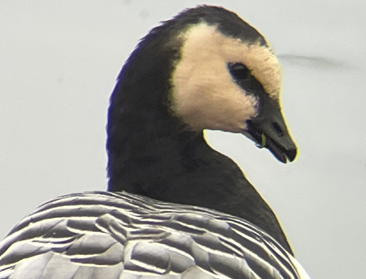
109, 235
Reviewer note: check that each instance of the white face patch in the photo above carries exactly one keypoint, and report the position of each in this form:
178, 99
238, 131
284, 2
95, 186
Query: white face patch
204, 93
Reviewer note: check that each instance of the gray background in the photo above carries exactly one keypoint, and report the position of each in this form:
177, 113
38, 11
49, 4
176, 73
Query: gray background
58, 63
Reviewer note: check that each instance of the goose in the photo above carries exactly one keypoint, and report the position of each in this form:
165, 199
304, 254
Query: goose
175, 207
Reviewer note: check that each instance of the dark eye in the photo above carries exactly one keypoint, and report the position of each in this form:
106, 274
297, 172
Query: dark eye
238, 71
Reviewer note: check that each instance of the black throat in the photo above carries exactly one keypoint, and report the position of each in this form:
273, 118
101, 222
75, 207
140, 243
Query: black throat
152, 153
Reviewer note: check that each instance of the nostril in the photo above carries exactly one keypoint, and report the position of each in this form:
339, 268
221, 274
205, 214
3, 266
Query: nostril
278, 129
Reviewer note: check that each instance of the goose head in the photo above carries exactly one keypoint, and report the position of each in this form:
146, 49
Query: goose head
228, 78
204, 69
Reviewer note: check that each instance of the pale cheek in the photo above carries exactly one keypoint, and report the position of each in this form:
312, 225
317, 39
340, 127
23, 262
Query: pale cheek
229, 109
206, 100
205, 96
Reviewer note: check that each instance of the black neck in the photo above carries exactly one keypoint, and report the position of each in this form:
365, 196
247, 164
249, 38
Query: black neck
152, 153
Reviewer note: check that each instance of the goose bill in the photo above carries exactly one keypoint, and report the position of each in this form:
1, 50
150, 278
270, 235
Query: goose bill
281, 146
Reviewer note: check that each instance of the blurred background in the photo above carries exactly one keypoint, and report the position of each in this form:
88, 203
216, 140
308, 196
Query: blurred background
58, 64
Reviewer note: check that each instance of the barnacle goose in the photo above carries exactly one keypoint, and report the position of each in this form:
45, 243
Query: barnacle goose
175, 208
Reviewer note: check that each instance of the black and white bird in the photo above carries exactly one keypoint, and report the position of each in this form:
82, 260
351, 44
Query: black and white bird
175, 208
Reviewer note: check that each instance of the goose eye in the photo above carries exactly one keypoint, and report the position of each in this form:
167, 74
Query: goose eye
238, 71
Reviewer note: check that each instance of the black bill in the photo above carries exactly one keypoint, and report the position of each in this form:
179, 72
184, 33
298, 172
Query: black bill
269, 130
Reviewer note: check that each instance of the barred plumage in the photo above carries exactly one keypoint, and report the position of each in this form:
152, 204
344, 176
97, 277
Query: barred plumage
120, 235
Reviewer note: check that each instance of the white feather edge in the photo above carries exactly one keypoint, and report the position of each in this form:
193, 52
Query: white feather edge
301, 271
